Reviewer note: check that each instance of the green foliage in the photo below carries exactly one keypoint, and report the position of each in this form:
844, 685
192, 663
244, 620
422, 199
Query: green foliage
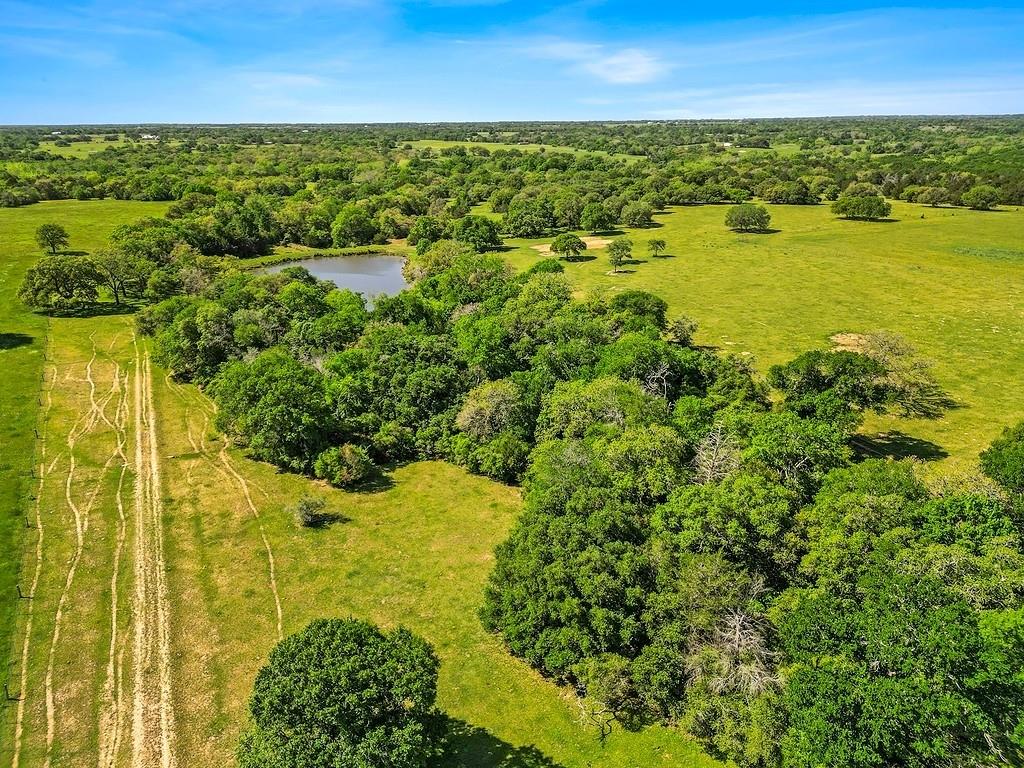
60, 282
568, 246
52, 237
656, 246
638, 214
748, 217
1003, 461
277, 407
345, 466
344, 694
353, 226
981, 197
596, 218
479, 231
861, 206
620, 251
529, 218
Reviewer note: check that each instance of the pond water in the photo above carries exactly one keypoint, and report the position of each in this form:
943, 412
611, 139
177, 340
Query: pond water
369, 275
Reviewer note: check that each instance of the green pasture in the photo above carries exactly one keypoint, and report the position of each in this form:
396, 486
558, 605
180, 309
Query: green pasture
950, 280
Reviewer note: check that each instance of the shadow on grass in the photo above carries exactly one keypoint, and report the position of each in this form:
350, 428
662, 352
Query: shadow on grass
98, 309
13, 340
897, 445
380, 482
613, 232
580, 258
757, 231
468, 746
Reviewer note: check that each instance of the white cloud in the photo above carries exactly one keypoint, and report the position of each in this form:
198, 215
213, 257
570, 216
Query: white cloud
619, 67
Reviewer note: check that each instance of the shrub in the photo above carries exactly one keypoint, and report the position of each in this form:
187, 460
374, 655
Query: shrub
867, 207
346, 466
1003, 461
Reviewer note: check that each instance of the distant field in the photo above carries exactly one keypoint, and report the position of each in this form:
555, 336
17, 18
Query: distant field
493, 146
81, 148
950, 280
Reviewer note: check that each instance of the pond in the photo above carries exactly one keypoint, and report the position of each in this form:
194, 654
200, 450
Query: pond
370, 275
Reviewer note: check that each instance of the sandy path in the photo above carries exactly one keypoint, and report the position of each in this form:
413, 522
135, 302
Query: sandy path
152, 706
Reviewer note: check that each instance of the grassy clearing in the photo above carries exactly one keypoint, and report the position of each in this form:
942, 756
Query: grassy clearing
22, 340
950, 280
81, 148
493, 146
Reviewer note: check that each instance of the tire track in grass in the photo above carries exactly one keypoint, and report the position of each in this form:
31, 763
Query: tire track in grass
110, 721
81, 516
244, 485
19, 722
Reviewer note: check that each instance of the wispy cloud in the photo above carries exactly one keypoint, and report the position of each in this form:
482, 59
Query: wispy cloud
616, 66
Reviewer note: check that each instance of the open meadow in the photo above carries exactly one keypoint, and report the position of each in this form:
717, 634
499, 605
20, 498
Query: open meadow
950, 280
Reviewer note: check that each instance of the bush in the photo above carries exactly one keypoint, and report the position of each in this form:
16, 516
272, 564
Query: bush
982, 197
748, 217
346, 466
344, 694
309, 512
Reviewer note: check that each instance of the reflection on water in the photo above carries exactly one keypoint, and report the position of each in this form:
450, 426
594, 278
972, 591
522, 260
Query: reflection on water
369, 275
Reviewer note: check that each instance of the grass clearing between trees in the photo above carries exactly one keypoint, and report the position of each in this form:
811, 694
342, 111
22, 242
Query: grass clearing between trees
945, 278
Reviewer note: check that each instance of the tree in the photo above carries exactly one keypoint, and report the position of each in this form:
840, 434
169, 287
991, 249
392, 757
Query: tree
353, 226
865, 207
638, 214
748, 217
52, 237
568, 246
656, 246
124, 274
479, 231
982, 197
344, 694
1003, 461
277, 407
529, 218
619, 252
596, 218
60, 282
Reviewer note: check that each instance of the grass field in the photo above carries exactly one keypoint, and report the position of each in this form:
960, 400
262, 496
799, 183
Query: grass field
496, 145
950, 280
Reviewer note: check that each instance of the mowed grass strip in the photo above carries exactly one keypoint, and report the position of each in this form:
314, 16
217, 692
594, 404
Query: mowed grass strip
948, 279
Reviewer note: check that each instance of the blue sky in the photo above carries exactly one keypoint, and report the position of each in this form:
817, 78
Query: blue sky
66, 61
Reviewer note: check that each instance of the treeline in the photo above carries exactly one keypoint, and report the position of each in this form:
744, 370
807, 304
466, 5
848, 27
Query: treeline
937, 162
698, 546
